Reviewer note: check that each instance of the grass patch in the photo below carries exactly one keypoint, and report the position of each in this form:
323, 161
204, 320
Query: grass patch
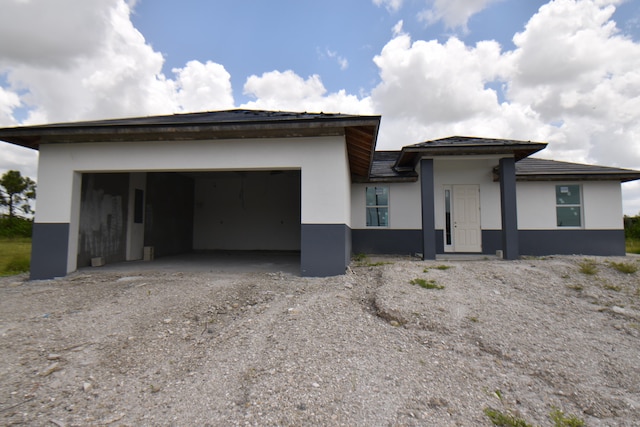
608, 286
503, 419
624, 267
359, 257
632, 246
15, 255
426, 284
376, 264
441, 267
561, 420
588, 267
362, 260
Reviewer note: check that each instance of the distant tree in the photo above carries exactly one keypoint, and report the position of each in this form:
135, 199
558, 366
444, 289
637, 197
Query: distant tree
15, 192
632, 226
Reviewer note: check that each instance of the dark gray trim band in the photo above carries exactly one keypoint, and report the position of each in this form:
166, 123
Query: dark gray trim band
491, 241
325, 249
557, 242
427, 194
509, 208
532, 242
49, 247
572, 242
385, 241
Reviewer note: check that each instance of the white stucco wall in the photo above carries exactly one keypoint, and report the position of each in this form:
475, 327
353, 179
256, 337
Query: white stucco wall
476, 170
405, 210
602, 205
323, 163
404, 205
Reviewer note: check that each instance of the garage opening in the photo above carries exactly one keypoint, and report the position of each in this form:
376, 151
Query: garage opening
187, 212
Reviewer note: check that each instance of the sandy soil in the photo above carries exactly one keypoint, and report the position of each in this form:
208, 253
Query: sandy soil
365, 349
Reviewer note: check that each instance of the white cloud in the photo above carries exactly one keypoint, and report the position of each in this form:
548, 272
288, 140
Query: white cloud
431, 89
436, 82
203, 87
115, 75
9, 101
397, 29
572, 66
52, 34
85, 60
454, 13
286, 90
390, 5
572, 80
103, 69
18, 158
342, 61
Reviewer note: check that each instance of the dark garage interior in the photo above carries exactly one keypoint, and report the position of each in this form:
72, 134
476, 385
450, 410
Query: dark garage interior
186, 212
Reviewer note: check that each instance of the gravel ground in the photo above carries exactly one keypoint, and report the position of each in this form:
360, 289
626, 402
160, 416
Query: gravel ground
364, 349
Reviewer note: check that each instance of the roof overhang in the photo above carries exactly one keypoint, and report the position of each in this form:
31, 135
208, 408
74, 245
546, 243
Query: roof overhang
617, 176
465, 146
534, 169
360, 132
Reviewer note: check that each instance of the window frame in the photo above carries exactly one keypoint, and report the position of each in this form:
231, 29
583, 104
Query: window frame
387, 206
559, 205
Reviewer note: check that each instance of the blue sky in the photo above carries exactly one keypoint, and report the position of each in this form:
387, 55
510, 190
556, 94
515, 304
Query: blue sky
311, 37
308, 37
559, 71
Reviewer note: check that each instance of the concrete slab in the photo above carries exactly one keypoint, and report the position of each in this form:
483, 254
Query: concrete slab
466, 257
215, 262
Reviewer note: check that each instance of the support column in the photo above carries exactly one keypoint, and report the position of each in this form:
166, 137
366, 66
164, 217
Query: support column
510, 244
427, 193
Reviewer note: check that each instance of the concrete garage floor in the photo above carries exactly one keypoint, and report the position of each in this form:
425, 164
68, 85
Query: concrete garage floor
215, 262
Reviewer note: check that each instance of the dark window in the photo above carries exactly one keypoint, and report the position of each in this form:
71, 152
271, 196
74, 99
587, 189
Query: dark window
568, 206
377, 206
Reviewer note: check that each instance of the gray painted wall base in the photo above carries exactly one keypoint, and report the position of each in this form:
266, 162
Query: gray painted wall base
49, 246
385, 241
531, 242
572, 242
325, 249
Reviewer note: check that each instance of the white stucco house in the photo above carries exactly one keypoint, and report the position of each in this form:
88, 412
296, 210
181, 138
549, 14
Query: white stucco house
311, 183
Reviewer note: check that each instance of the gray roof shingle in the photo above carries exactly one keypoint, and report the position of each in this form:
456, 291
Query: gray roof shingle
533, 169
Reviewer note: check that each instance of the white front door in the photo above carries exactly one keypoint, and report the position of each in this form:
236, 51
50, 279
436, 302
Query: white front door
466, 218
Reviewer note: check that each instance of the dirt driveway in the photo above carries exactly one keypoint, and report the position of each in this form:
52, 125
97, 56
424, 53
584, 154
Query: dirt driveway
127, 348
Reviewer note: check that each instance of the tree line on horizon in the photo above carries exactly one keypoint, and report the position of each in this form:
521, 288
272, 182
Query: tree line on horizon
16, 193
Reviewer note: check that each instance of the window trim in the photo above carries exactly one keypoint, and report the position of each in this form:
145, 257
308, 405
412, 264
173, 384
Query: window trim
579, 205
387, 206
